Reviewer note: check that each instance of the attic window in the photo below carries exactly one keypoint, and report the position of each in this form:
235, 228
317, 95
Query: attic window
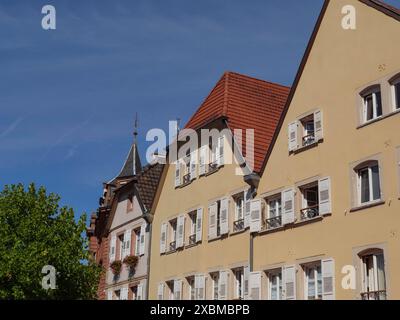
372, 103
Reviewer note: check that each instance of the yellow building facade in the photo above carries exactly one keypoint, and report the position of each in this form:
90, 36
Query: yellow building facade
330, 185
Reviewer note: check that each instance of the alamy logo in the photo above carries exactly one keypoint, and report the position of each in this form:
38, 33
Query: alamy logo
349, 21
49, 20
49, 280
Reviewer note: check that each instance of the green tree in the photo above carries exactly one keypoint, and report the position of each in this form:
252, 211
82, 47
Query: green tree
34, 232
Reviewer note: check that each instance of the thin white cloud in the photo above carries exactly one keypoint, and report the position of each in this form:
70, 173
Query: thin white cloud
10, 129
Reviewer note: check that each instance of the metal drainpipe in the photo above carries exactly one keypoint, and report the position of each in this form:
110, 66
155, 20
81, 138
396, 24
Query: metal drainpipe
149, 218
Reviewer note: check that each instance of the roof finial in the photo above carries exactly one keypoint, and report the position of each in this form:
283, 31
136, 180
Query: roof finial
135, 131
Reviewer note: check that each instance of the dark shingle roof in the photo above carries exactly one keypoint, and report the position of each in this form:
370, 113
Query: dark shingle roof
147, 183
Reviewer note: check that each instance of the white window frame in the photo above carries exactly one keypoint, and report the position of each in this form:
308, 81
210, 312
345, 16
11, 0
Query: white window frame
172, 233
193, 223
191, 288
373, 92
277, 273
214, 285
239, 283
396, 104
305, 131
375, 284
137, 232
239, 209
370, 182
314, 268
121, 239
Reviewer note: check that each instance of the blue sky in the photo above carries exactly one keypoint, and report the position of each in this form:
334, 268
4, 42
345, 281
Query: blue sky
68, 97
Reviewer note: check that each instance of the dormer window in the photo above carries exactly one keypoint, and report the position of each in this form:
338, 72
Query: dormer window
372, 103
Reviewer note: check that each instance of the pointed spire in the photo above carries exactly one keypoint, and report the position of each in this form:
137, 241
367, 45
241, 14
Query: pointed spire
134, 146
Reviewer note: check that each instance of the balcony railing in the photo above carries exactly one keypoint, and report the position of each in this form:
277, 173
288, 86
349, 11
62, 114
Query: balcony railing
374, 295
212, 166
192, 239
274, 222
308, 139
309, 213
172, 246
238, 225
186, 178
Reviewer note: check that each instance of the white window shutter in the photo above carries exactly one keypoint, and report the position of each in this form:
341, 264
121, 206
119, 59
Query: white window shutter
193, 164
177, 173
180, 224
224, 216
220, 151
203, 159
127, 246
255, 215
139, 294
113, 248
288, 215
293, 140
109, 295
178, 290
160, 291
223, 285
163, 238
255, 285
142, 238
328, 279
325, 202
123, 294
212, 221
246, 274
200, 284
247, 201
318, 125
199, 224
289, 282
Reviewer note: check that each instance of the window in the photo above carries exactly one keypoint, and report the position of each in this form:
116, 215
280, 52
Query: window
310, 201
117, 295
172, 234
193, 225
191, 288
372, 103
186, 176
369, 183
275, 284
134, 291
170, 288
238, 224
215, 284
373, 276
121, 245
395, 87
213, 165
129, 206
308, 129
274, 215
137, 241
313, 281
239, 283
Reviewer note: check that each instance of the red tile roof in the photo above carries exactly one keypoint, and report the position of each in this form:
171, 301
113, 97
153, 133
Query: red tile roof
247, 103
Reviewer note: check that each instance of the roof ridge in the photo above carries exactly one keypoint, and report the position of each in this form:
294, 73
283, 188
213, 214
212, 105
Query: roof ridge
256, 79
225, 105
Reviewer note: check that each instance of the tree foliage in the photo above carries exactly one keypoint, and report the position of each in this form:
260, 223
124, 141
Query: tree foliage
34, 232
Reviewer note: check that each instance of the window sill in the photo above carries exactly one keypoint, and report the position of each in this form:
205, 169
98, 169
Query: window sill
292, 225
216, 238
209, 173
192, 245
368, 205
307, 221
304, 148
272, 230
379, 119
238, 232
184, 185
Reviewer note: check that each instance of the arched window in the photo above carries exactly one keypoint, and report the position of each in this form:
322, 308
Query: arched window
368, 182
373, 274
372, 103
395, 89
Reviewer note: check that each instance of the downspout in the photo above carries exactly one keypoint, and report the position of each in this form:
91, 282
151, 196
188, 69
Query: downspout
149, 219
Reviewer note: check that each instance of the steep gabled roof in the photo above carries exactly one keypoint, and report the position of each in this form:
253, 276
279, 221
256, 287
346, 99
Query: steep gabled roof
147, 183
132, 165
246, 103
376, 4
